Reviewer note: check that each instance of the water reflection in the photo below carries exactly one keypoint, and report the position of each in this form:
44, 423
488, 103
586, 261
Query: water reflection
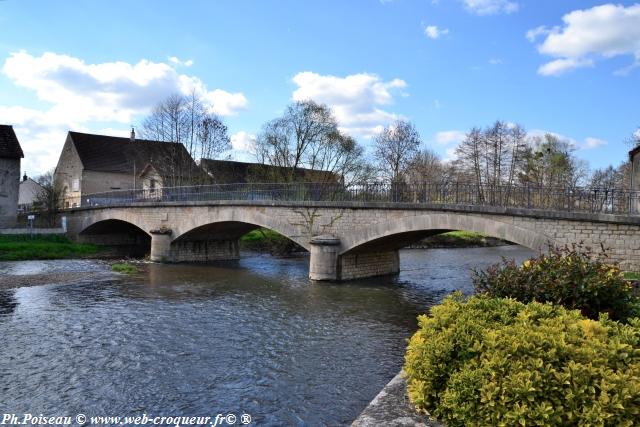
8, 303
251, 336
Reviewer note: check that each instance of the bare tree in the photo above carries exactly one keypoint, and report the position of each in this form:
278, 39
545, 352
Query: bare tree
51, 198
426, 167
611, 178
492, 157
396, 146
187, 120
306, 136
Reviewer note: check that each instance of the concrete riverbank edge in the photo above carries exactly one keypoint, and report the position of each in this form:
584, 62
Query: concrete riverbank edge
391, 407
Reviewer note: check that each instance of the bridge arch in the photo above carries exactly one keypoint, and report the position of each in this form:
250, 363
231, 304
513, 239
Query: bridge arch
114, 216
404, 230
234, 223
124, 238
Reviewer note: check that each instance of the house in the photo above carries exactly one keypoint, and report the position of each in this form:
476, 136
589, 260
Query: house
10, 155
91, 164
232, 172
634, 159
29, 192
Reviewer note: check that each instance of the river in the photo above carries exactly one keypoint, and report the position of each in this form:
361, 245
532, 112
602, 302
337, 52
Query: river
253, 337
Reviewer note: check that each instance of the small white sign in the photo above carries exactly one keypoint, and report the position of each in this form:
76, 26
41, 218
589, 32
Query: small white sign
31, 217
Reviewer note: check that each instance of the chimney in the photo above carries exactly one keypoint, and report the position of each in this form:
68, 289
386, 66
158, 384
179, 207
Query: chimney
133, 135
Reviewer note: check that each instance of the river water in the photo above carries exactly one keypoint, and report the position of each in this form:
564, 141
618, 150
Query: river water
253, 337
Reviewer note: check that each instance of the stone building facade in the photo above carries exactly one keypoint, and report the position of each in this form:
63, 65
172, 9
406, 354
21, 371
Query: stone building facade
91, 164
29, 192
10, 156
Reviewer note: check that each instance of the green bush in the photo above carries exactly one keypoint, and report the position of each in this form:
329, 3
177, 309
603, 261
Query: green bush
499, 362
567, 276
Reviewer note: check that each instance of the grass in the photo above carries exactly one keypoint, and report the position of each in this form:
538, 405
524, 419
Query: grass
123, 267
265, 240
27, 247
632, 275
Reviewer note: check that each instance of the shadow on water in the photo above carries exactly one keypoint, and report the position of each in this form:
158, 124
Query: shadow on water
8, 303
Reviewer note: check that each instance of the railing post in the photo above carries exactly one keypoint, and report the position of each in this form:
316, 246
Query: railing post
528, 196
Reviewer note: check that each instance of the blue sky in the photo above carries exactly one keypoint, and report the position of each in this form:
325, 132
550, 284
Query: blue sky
567, 67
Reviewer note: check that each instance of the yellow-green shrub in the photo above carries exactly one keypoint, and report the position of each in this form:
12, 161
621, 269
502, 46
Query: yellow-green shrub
499, 362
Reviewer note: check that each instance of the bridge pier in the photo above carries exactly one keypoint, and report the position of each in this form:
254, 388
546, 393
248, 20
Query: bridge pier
164, 250
369, 264
323, 263
205, 250
160, 246
326, 264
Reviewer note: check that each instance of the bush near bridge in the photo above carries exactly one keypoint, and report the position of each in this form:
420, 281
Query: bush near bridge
498, 362
567, 276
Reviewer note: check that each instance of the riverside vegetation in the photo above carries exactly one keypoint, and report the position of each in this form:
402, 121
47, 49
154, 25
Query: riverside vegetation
264, 240
28, 247
535, 347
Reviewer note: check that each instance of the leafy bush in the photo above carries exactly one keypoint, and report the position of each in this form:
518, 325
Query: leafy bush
499, 362
566, 276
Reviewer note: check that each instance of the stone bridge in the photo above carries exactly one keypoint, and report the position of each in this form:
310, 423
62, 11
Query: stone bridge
347, 240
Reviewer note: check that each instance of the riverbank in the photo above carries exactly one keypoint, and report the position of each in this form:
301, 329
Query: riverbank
391, 407
459, 239
23, 247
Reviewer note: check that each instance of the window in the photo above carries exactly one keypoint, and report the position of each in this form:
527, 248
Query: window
75, 185
152, 184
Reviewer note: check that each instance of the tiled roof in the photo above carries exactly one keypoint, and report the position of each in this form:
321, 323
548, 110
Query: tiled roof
230, 172
103, 153
633, 152
9, 145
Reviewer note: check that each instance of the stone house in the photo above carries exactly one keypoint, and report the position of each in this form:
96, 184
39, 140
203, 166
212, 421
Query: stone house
29, 192
91, 164
10, 155
634, 159
232, 172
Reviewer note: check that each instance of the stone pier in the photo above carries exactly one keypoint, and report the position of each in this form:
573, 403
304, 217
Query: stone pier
323, 264
369, 264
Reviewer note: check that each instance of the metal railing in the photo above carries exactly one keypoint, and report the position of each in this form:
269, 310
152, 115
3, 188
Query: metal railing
578, 199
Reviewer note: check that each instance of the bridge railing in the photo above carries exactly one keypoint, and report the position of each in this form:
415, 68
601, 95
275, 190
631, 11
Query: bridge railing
577, 199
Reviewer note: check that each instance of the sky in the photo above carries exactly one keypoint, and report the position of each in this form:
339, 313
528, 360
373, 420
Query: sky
567, 67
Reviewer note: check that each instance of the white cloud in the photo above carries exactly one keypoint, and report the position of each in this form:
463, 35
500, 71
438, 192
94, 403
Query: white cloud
177, 61
356, 99
560, 66
490, 7
433, 32
533, 34
495, 61
590, 143
243, 141
110, 91
81, 95
449, 137
603, 31
450, 155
